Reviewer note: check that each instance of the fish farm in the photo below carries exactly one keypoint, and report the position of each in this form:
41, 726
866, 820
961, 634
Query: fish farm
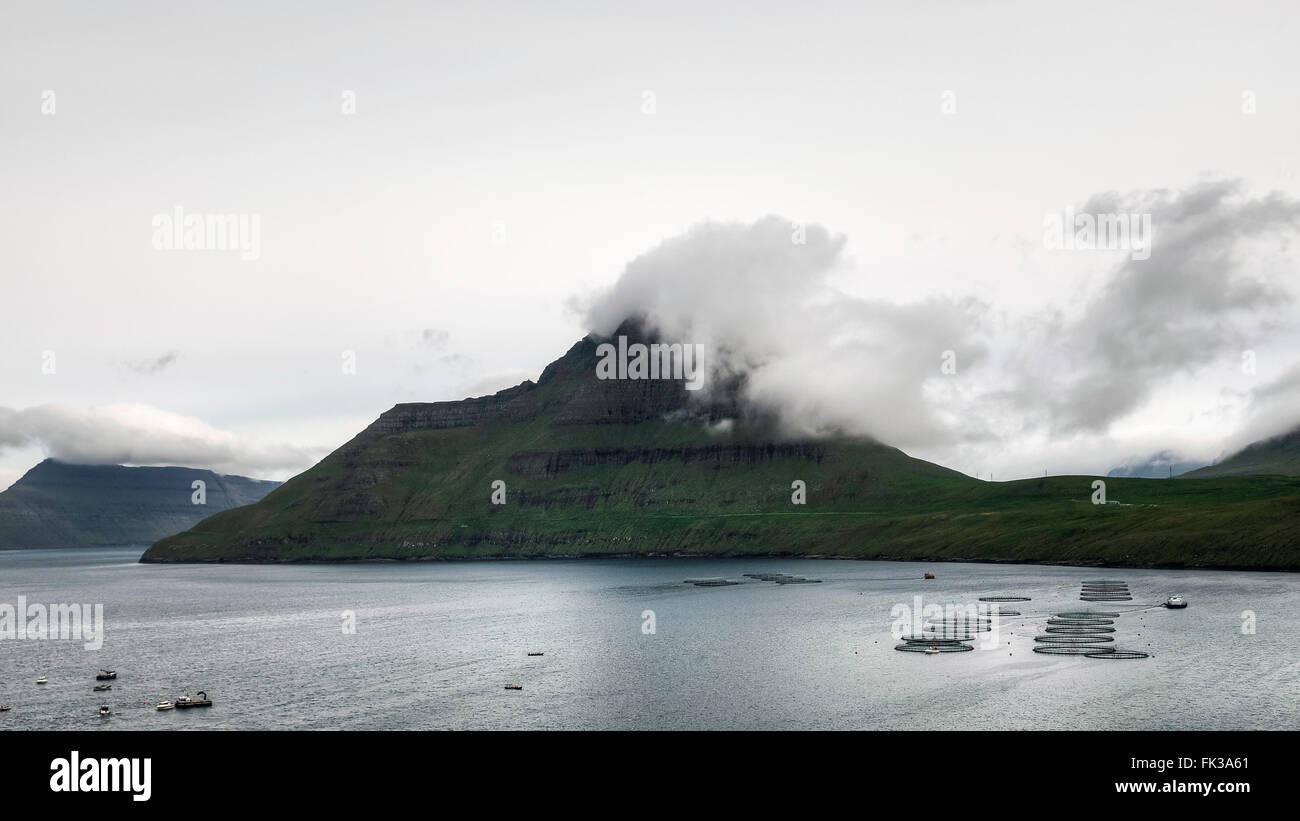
1085, 633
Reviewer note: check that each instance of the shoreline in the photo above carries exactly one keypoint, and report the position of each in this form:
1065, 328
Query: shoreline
736, 557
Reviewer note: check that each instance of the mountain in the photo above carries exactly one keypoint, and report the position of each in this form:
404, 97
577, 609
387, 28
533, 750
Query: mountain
611, 467
56, 504
1279, 456
1162, 465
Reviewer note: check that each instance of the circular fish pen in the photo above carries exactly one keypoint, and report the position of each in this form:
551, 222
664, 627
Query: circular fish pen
1005, 613
1119, 654
1072, 639
915, 639
1087, 614
1104, 591
1059, 622
1072, 650
907, 647
1079, 631
1004, 598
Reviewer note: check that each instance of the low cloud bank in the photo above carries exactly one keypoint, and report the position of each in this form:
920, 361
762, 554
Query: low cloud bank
143, 435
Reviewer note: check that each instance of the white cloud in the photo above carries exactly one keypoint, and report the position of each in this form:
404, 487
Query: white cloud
138, 434
760, 298
1064, 384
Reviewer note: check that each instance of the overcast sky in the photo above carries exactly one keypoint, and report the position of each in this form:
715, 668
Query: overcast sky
454, 192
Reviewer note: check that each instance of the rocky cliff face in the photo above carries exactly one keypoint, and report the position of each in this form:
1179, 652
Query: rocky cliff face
63, 505
552, 463
570, 394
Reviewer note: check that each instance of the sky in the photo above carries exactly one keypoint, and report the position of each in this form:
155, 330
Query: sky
448, 196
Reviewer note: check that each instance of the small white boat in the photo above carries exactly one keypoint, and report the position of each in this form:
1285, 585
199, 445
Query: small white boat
1175, 602
42, 680
105, 711
166, 705
931, 650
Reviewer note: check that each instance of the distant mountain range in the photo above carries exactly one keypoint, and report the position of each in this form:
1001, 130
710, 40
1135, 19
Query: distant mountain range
576, 465
1278, 456
56, 504
1162, 465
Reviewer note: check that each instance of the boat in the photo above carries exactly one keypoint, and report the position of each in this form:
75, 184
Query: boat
99, 688
185, 702
106, 675
931, 650
42, 680
166, 705
536, 654
514, 687
929, 575
4, 708
1176, 603
105, 711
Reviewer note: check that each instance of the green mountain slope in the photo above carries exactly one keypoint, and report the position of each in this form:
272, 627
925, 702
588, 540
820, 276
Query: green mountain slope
1279, 455
619, 467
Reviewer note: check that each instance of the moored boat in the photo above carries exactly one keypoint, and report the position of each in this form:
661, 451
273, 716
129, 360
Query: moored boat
99, 688
1176, 603
185, 702
106, 675
166, 705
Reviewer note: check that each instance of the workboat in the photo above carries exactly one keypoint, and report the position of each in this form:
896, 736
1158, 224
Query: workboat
514, 687
166, 705
185, 702
929, 575
1176, 603
99, 688
106, 675
42, 680
105, 711
4, 708
931, 650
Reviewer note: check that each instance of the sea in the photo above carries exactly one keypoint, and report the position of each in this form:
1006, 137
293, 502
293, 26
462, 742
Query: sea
630, 644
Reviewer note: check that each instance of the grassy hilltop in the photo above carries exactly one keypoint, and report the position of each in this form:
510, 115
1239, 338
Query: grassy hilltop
605, 468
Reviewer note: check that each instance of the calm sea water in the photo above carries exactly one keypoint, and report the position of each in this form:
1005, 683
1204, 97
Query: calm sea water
435, 643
